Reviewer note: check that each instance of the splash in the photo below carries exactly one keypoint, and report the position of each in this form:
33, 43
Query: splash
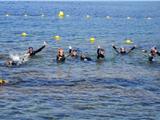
19, 59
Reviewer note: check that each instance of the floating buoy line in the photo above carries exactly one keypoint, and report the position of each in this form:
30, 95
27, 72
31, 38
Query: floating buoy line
61, 14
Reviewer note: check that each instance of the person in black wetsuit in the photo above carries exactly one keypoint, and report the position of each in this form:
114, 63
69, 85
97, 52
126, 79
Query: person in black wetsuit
83, 57
73, 52
153, 53
60, 55
11, 62
100, 53
30, 53
123, 50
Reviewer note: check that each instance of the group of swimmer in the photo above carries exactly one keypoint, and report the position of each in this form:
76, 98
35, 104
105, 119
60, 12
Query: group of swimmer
75, 53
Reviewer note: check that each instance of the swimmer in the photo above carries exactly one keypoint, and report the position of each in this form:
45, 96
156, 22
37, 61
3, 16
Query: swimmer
84, 57
11, 62
153, 53
100, 53
32, 53
73, 52
123, 50
17, 60
60, 55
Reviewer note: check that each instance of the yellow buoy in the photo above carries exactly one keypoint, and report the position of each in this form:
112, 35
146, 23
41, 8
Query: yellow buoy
61, 14
24, 34
92, 40
2, 82
57, 37
128, 41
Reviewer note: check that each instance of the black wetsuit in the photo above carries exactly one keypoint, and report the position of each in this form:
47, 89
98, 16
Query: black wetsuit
36, 51
150, 58
70, 53
84, 58
62, 58
123, 52
99, 55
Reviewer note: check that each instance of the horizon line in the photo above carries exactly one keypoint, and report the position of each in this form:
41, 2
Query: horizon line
81, 0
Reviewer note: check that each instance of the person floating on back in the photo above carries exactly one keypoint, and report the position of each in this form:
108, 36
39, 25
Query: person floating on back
153, 53
60, 55
123, 50
100, 53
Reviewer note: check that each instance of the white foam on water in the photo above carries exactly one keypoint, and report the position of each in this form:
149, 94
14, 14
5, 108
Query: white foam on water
20, 59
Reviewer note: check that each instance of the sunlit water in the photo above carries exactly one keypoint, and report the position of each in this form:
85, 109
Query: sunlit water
121, 87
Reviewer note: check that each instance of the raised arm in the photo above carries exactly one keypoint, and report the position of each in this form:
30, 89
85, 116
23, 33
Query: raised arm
40, 49
132, 49
116, 49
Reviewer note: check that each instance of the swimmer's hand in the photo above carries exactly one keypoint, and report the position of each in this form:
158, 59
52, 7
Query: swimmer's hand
113, 45
145, 51
45, 43
135, 46
99, 46
70, 47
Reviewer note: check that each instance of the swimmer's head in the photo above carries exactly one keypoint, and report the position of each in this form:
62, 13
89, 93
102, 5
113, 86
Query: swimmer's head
30, 50
74, 53
153, 51
122, 50
60, 52
9, 62
100, 53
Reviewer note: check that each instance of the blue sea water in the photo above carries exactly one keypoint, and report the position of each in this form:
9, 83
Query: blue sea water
119, 88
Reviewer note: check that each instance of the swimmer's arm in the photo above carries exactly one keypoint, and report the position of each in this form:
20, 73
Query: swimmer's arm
158, 53
67, 55
114, 47
150, 58
41, 48
132, 49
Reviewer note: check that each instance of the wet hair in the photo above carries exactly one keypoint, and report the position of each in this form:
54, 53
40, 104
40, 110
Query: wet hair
30, 47
99, 53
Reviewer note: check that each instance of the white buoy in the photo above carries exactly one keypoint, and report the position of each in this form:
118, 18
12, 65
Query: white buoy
25, 15
7, 15
128, 18
67, 15
108, 17
149, 18
42, 15
88, 16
